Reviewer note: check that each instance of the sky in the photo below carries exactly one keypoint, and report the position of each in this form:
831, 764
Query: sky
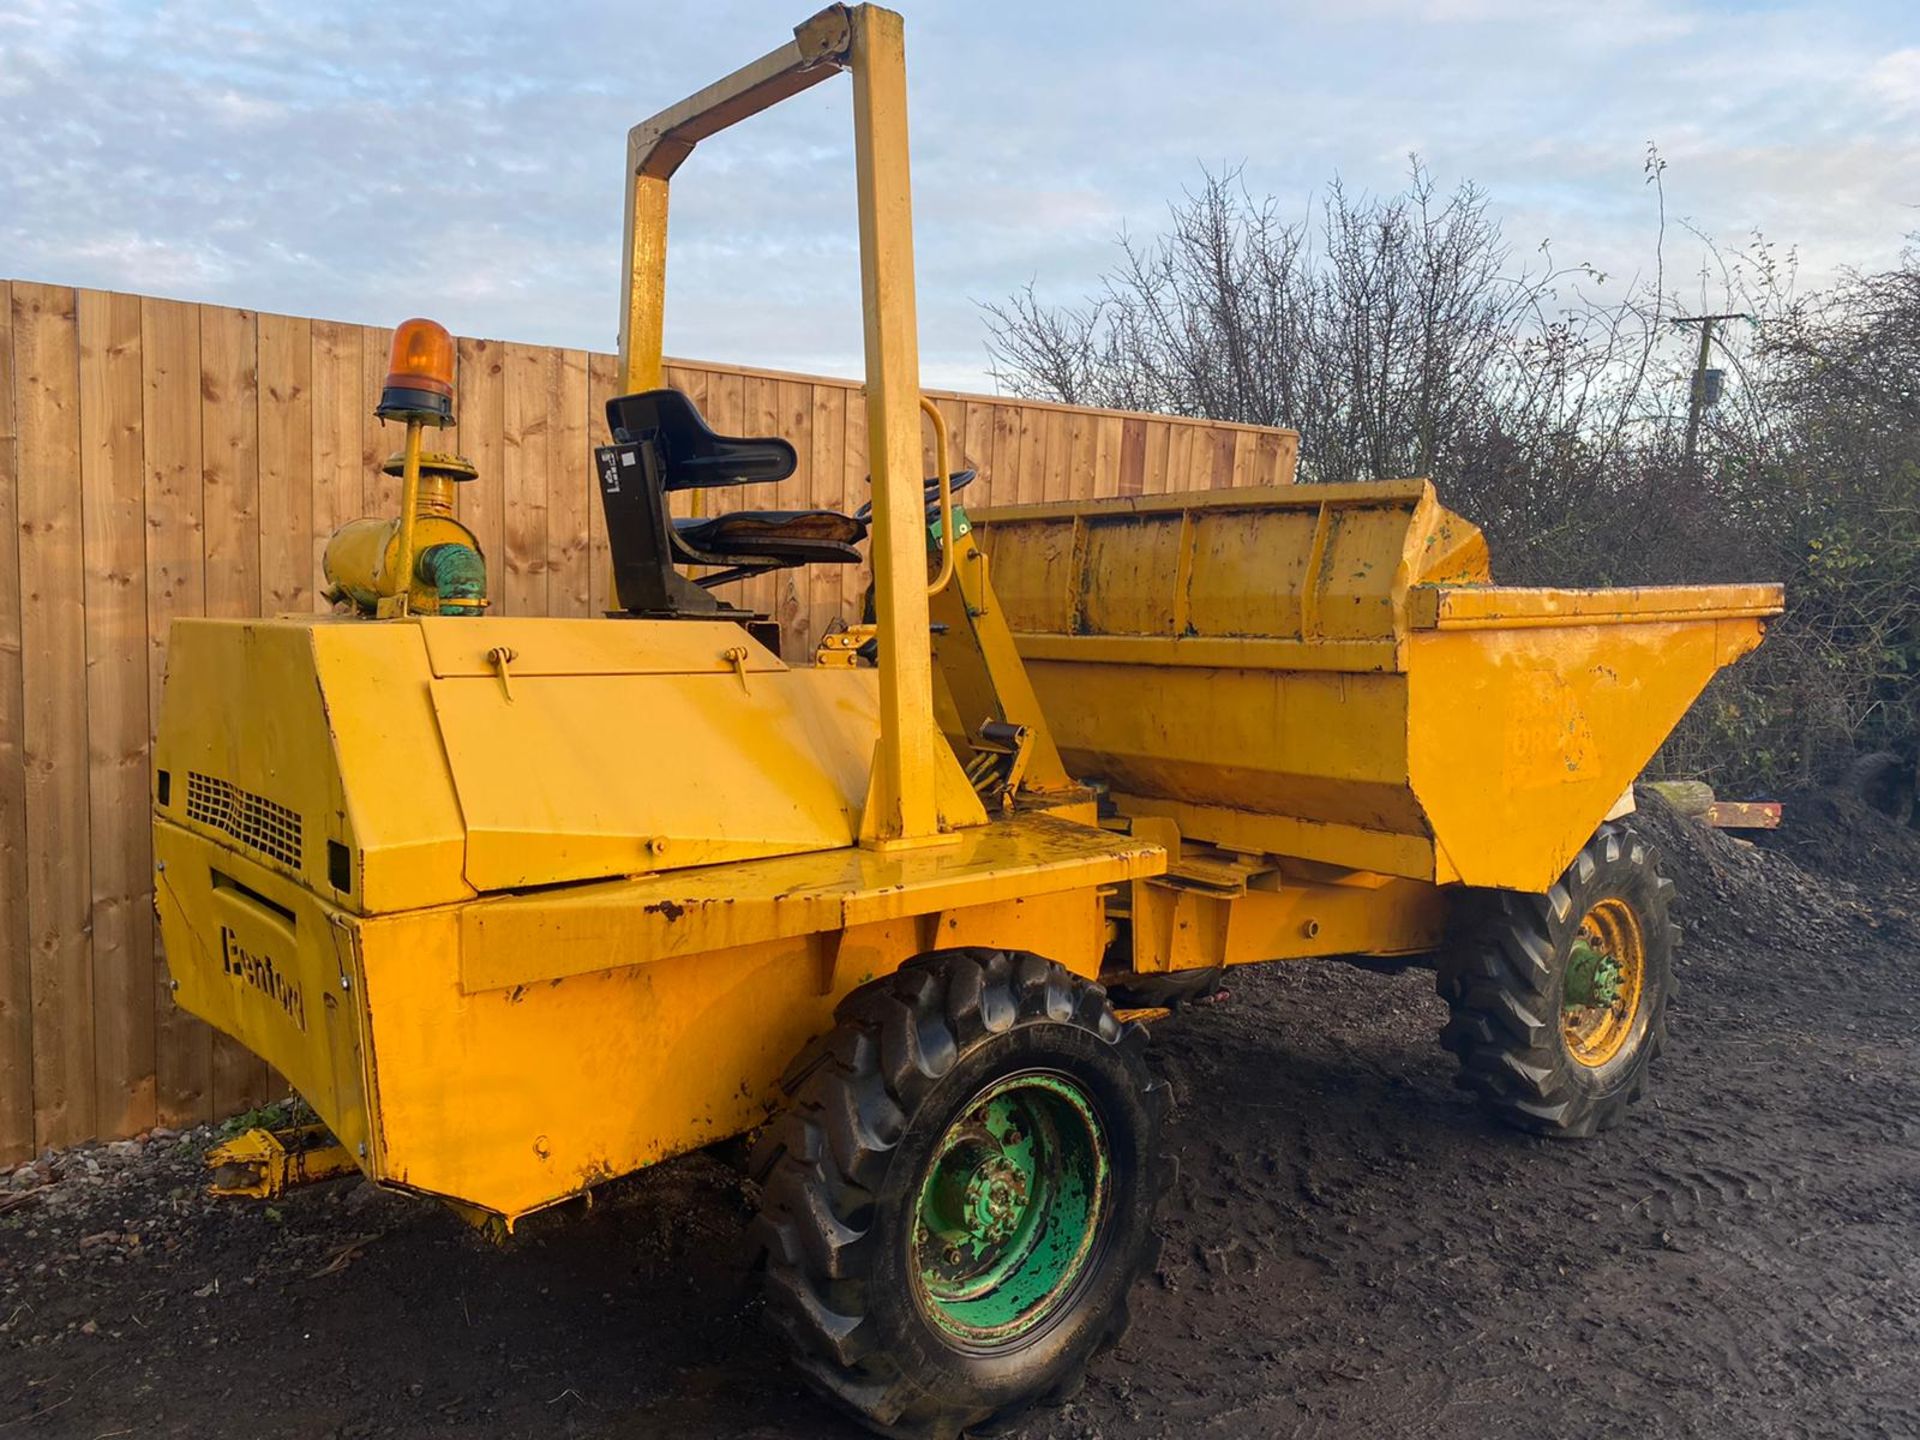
367, 161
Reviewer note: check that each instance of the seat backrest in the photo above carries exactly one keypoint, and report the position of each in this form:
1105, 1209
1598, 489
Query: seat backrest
691, 456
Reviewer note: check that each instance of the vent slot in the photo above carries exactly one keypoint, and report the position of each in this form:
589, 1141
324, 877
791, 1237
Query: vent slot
224, 881
253, 820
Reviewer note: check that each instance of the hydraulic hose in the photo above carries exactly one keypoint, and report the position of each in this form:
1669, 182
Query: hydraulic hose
458, 576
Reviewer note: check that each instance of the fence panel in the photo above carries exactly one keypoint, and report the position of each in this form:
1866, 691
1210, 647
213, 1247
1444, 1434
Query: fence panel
160, 459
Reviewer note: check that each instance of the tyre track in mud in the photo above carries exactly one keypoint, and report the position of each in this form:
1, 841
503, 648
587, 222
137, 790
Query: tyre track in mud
1352, 1250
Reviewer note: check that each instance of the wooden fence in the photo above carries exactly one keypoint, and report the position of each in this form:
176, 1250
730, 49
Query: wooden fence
160, 459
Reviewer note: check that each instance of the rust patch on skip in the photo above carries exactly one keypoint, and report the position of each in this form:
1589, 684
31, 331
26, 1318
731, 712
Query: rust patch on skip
597, 1172
672, 909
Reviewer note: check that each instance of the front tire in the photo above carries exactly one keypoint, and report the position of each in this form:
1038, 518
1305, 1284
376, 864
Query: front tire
960, 1194
1559, 1001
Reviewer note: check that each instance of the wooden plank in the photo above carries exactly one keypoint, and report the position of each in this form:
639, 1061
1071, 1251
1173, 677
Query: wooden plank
1220, 442
230, 460
761, 592
1106, 456
602, 380
697, 384
1032, 483
854, 579
531, 380
1056, 478
793, 594
726, 403
1133, 457
827, 432
1267, 459
572, 492
693, 383
16, 973
176, 586
954, 412
1005, 488
114, 515
1243, 447
1154, 478
230, 496
758, 404
53, 681
1287, 464
1080, 442
285, 424
1180, 452
481, 503
978, 448
726, 410
334, 426
379, 491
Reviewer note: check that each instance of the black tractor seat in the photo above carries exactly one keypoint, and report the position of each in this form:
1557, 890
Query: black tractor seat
662, 444
692, 456
809, 536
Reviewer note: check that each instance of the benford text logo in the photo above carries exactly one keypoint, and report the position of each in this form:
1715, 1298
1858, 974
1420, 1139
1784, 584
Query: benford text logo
260, 972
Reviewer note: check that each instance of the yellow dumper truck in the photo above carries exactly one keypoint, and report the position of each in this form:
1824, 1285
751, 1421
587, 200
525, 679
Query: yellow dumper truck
522, 905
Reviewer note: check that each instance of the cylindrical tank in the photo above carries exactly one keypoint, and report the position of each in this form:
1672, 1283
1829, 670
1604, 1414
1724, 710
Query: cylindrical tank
449, 573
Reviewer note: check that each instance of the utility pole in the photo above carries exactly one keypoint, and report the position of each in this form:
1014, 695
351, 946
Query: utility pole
1698, 400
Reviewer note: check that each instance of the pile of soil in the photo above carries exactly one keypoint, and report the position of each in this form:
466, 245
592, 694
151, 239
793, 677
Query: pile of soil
1835, 834
1351, 1249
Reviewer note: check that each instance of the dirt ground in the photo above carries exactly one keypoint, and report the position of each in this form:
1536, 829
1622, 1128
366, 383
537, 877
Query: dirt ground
1351, 1250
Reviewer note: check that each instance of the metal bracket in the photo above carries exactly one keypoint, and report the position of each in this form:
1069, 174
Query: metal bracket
265, 1164
999, 764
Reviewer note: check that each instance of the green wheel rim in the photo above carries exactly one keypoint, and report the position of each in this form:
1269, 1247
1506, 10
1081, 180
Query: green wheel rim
1010, 1208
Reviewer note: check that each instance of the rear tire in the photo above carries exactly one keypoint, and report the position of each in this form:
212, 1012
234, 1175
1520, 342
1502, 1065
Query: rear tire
1884, 782
1559, 1001
912, 1289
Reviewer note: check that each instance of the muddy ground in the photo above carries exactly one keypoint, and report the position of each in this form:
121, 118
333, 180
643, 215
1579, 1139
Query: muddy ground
1351, 1251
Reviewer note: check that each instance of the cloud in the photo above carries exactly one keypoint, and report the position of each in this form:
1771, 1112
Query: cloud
316, 159
1895, 78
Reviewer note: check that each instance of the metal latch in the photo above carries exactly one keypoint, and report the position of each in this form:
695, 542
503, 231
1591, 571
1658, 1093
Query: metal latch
500, 657
737, 655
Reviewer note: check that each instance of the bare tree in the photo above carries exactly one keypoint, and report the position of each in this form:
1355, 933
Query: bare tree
1402, 335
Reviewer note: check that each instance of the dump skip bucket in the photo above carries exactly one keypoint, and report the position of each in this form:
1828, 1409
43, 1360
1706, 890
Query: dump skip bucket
1327, 672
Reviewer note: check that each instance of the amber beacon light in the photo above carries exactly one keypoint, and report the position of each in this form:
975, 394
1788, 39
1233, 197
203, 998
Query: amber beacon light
419, 384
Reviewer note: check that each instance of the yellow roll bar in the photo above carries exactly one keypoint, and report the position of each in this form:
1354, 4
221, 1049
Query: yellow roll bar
941, 460
869, 43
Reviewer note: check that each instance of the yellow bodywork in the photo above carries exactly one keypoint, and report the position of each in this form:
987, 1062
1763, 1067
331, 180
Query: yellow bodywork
363, 863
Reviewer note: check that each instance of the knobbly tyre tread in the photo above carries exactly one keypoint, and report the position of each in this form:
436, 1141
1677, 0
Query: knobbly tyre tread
1502, 980
823, 1161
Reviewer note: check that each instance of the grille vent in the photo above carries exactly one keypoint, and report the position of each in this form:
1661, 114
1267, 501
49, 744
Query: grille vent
252, 819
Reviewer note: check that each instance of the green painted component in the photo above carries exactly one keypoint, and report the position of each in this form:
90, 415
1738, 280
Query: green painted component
458, 575
1010, 1208
961, 525
1593, 977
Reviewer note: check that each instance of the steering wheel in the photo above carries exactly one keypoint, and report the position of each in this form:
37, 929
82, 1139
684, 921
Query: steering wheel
957, 481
